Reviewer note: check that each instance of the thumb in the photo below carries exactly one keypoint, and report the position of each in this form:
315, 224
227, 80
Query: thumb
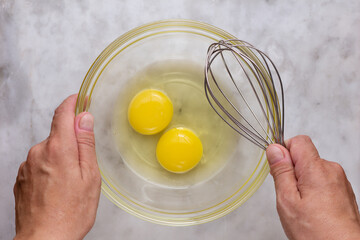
282, 170
84, 129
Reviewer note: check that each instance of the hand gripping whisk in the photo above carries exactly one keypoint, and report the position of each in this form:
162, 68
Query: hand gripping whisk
243, 86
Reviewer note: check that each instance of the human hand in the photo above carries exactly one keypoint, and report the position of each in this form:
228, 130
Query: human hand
314, 198
58, 187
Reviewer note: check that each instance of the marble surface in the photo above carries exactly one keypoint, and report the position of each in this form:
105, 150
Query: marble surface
46, 48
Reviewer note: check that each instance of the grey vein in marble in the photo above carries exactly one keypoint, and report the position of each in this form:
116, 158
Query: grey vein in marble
46, 48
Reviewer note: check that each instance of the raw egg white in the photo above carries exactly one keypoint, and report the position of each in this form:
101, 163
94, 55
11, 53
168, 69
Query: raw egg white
182, 83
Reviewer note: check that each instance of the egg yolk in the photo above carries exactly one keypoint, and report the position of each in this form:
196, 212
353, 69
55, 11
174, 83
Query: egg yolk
179, 150
150, 111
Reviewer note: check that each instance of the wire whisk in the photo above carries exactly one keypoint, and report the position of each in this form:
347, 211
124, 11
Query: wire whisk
244, 88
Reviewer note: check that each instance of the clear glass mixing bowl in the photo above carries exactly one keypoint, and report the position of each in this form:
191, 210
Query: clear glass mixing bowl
213, 189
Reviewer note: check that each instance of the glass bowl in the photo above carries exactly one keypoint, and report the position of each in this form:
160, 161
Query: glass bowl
170, 56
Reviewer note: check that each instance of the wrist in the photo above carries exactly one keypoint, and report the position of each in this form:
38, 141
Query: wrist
37, 235
355, 234
347, 232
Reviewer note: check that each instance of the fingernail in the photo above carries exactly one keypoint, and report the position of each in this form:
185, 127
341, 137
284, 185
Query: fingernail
87, 122
274, 154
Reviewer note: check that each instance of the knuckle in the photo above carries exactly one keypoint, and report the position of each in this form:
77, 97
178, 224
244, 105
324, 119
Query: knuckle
93, 177
63, 105
31, 164
34, 150
304, 138
15, 188
89, 224
58, 110
21, 167
52, 145
318, 168
283, 200
96, 174
33, 154
281, 169
337, 169
97, 179
86, 140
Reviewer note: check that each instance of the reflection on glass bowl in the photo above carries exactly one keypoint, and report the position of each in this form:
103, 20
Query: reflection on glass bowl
168, 56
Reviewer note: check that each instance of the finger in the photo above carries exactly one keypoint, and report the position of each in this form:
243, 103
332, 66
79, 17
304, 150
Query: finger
63, 121
20, 171
20, 174
303, 153
282, 170
84, 125
302, 148
350, 191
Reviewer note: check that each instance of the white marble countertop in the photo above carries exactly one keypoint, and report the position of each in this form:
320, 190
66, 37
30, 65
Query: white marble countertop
46, 48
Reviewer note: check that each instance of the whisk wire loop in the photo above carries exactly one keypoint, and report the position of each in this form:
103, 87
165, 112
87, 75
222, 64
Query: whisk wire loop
245, 130
242, 95
256, 108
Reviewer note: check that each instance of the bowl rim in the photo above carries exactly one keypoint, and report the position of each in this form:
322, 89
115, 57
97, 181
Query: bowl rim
255, 180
